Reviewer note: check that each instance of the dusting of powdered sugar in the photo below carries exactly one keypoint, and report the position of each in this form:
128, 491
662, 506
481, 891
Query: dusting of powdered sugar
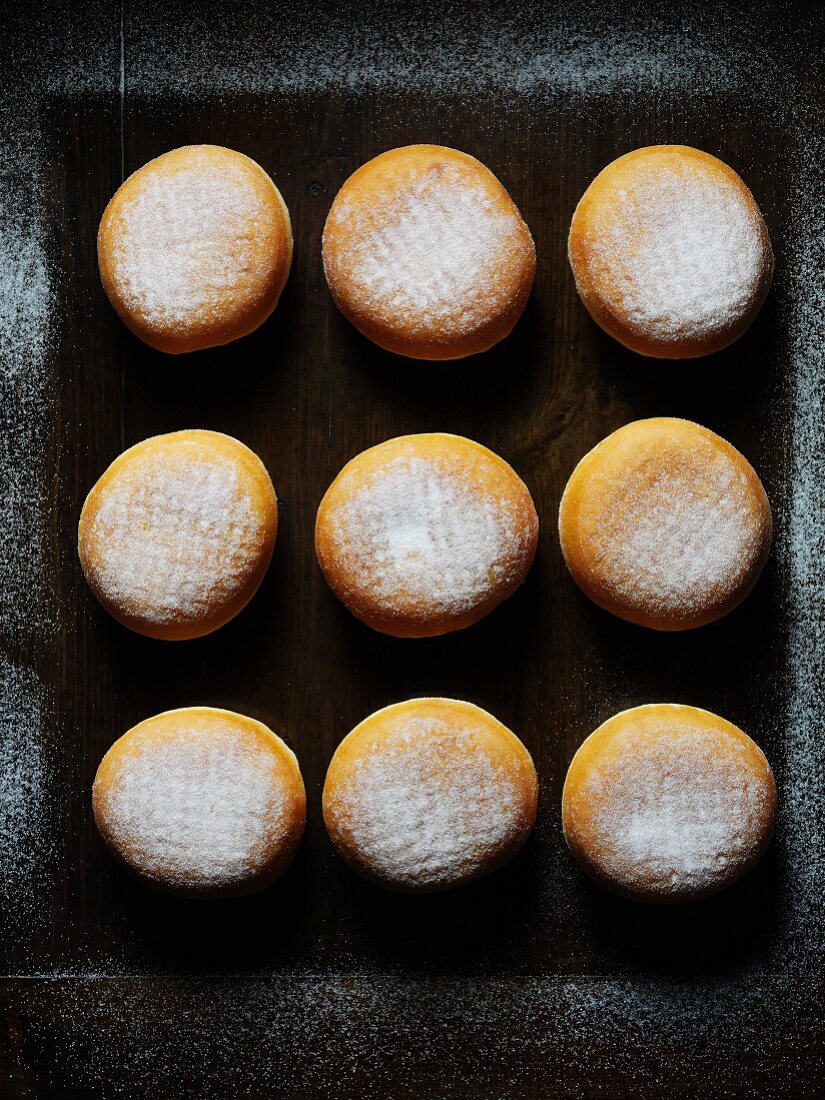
26, 794
340, 1036
679, 255
187, 240
672, 815
427, 806
588, 50
27, 303
172, 538
438, 258
27, 341
419, 535
801, 550
197, 809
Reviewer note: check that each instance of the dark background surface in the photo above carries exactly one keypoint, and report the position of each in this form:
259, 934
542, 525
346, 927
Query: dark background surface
324, 985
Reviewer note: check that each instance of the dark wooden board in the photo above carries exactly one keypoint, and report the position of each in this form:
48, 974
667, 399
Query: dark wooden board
532, 983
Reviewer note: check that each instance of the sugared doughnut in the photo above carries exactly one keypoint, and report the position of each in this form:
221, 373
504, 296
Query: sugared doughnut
202, 802
670, 253
177, 534
668, 803
426, 253
429, 794
665, 524
195, 248
425, 534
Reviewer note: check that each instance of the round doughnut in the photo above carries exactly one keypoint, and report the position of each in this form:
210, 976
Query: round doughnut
429, 794
175, 537
670, 253
425, 534
427, 255
668, 803
194, 248
202, 802
665, 524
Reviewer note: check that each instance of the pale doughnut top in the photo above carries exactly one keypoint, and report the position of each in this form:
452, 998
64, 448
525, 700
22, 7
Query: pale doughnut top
666, 519
200, 808
423, 532
188, 243
427, 804
436, 250
673, 807
177, 529
677, 249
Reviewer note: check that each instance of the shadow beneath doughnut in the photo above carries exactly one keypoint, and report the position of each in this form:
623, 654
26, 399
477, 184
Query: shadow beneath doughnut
220, 669
705, 667
470, 929
720, 934
455, 665
190, 388
198, 936
455, 390
718, 391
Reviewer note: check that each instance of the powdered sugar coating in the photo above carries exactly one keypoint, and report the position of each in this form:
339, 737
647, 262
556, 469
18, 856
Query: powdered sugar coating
177, 532
166, 548
679, 546
434, 252
194, 242
198, 809
421, 535
425, 262
675, 251
426, 803
666, 523
669, 808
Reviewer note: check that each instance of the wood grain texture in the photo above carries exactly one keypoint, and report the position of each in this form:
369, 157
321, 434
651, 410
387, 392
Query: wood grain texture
324, 985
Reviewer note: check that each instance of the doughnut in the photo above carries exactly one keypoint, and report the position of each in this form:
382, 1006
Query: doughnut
670, 253
665, 524
425, 534
194, 248
175, 537
201, 802
426, 254
429, 794
667, 803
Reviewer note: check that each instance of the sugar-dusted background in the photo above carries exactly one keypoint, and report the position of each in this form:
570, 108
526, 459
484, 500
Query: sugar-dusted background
532, 983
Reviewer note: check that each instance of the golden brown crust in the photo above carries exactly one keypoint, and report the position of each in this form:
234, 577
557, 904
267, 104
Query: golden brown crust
429, 794
176, 535
149, 814
665, 524
195, 248
425, 534
668, 803
670, 253
427, 255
